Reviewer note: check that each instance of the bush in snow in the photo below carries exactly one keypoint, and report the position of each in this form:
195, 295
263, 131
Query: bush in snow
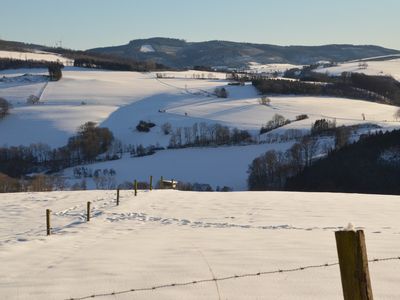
221, 92
144, 126
301, 117
264, 100
166, 128
32, 99
55, 73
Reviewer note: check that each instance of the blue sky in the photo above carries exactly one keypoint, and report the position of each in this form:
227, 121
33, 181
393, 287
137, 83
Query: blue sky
85, 24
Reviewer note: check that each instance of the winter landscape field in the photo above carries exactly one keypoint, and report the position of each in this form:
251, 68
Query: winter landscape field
205, 150
166, 237
170, 238
119, 100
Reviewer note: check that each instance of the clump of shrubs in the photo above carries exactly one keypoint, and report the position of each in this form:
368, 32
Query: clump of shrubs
323, 126
276, 122
144, 126
221, 92
301, 117
264, 100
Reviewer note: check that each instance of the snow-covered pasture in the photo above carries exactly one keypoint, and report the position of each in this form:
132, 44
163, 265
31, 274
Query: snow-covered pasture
270, 68
163, 237
219, 166
384, 67
38, 55
119, 100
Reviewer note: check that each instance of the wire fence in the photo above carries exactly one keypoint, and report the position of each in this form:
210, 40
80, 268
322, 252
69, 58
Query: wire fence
218, 279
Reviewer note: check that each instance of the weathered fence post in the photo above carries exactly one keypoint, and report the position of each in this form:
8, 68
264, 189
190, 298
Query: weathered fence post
172, 184
151, 182
162, 182
135, 185
353, 261
48, 211
88, 211
117, 196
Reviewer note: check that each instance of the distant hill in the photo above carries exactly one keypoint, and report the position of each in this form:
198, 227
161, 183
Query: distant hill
181, 54
79, 58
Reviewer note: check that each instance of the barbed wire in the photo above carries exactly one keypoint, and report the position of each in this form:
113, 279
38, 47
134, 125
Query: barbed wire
215, 279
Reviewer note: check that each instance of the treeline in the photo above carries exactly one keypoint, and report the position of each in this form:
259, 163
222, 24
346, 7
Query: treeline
10, 63
271, 170
89, 142
371, 165
342, 90
203, 135
385, 88
97, 61
38, 183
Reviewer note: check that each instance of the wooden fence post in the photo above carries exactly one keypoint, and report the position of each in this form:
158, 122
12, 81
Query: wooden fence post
135, 184
88, 211
48, 230
151, 182
172, 184
117, 196
353, 261
162, 182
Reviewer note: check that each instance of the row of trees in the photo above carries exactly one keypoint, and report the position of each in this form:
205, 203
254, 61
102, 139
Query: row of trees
10, 63
38, 183
84, 147
343, 90
276, 122
203, 134
95, 61
270, 170
377, 88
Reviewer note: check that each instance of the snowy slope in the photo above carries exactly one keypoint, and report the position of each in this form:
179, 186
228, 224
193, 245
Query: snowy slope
119, 100
219, 166
43, 56
164, 237
385, 67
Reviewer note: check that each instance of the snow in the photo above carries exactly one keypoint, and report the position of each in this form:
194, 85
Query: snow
385, 67
270, 68
119, 100
147, 48
163, 237
219, 166
42, 56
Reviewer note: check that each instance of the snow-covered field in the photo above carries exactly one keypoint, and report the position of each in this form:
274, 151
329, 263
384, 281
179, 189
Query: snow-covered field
270, 68
217, 166
385, 67
118, 100
38, 55
163, 237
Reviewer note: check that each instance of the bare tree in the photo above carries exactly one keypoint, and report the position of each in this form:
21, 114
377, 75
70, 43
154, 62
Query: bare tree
397, 114
309, 147
4, 107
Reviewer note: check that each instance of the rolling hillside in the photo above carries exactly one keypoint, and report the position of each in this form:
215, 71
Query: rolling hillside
181, 54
